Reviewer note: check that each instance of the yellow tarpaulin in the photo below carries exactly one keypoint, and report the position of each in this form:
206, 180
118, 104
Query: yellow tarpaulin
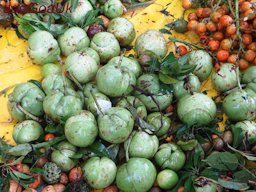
16, 67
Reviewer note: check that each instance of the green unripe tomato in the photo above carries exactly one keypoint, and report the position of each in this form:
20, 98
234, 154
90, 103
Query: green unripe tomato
92, 53
59, 107
113, 8
106, 45
80, 12
134, 102
142, 145
62, 156
225, 78
27, 131
239, 106
56, 82
28, 96
151, 43
74, 39
167, 179
249, 75
149, 83
90, 88
160, 123
251, 86
115, 125
123, 30
197, 109
43, 48
203, 62
249, 128
204, 185
188, 85
137, 175
114, 80
99, 172
81, 66
170, 156
131, 64
81, 130
49, 69
98, 103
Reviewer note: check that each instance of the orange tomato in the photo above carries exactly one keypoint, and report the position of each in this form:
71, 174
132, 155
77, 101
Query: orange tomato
226, 44
186, 4
226, 20
37, 181
249, 55
218, 36
199, 12
201, 28
75, 174
247, 39
192, 25
49, 136
243, 64
211, 26
105, 20
232, 58
14, 3
206, 12
214, 45
192, 16
169, 109
216, 17
181, 189
231, 30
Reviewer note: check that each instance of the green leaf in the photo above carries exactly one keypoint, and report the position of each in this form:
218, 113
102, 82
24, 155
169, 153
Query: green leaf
233, 185
169, 60
50, 128
250, 157
99, 149
210, 173
187, 145
243, 176
186, 69
238, 136
188, 185
113, 151
77, 156
167, 79
223, 161
36, 170
165, 31
22, 176
165, 89
74, 4
183, 60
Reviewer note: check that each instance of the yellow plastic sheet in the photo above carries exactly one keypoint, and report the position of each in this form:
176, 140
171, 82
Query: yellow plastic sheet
16, 67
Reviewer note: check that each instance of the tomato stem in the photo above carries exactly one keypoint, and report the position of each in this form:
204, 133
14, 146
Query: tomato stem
186, 43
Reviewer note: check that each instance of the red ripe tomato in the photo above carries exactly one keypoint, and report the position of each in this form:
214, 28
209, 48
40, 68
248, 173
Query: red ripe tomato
181, 50
222, 55
201, 28
247, 39
211, 26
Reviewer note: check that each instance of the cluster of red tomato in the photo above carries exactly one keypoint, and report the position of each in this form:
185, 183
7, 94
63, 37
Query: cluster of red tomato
229, 34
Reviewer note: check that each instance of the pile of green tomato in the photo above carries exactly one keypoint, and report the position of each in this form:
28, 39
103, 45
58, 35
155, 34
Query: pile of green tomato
97, 93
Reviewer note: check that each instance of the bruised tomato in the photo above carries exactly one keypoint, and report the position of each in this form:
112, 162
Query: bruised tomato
214, 45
